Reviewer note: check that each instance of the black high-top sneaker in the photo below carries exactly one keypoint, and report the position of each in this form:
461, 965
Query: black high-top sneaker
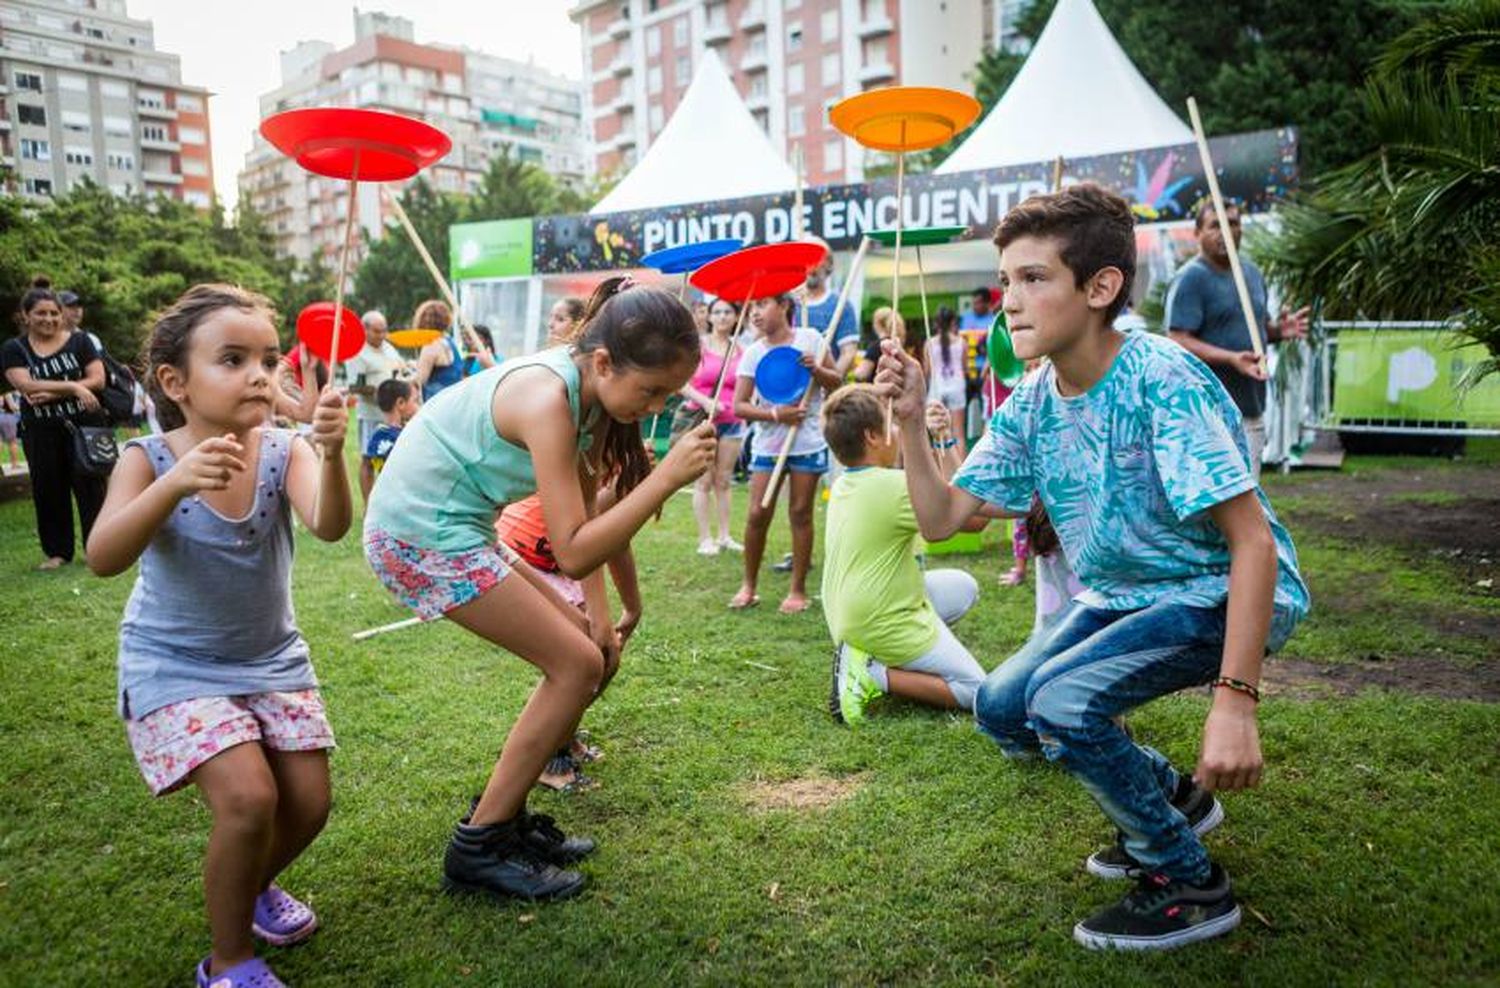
498, 860
544, 837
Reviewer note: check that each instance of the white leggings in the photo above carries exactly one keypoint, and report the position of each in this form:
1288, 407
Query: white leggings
953, 593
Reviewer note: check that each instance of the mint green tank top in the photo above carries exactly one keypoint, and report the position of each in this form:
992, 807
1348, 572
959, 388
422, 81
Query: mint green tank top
450, 472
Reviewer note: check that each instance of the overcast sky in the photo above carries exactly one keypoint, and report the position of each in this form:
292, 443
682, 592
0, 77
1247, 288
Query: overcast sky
233, 48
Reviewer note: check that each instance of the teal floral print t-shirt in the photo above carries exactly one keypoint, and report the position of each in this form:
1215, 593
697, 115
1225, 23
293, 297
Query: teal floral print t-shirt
1127, 472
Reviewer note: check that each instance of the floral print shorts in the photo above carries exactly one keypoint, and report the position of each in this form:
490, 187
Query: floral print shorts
430, 582
171, 741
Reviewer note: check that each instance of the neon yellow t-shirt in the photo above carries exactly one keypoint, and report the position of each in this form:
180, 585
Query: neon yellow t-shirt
873, 593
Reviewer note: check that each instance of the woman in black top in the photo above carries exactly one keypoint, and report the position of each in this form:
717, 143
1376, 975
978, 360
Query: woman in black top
59, 375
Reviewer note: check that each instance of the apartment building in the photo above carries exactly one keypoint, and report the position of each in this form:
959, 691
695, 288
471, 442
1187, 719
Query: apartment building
85, 93
790, 60
480, 101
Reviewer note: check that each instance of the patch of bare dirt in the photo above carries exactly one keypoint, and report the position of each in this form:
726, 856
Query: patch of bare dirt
1420, 676
1452, 514
807, 794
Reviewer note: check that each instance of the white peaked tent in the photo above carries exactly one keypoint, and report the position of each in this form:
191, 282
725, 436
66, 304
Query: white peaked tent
710, 149
1077, 95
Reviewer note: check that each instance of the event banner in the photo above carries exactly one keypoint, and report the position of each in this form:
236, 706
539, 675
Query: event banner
1255, 170
1411, 375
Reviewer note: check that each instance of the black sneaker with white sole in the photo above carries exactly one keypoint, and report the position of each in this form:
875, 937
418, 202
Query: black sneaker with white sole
1203, 813
1162, 914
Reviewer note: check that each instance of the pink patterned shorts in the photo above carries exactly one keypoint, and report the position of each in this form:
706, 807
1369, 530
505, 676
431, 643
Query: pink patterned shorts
431, 582
171, 741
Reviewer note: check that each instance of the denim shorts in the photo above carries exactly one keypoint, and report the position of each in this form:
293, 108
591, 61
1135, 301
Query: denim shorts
729, 430
815, 463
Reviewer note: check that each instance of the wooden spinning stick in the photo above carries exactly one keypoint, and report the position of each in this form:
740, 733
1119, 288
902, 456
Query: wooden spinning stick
1229, 245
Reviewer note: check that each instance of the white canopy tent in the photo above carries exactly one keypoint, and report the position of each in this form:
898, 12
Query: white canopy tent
1077, 95
710, 149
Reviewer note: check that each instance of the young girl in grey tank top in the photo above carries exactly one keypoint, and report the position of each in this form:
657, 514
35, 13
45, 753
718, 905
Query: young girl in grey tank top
215, 682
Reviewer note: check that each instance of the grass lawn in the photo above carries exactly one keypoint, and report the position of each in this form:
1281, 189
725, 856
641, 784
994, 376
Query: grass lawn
748, 839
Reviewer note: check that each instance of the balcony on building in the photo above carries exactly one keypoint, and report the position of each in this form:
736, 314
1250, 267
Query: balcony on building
156, 112
161, 178
716, 32
754, 61
878, 72
624, 102
754, 17
619, 27
624, 139
621, 65
757, 101
151, 144
874, 25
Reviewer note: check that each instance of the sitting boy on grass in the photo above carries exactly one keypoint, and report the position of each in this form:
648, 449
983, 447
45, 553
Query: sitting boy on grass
398, 400
1140, 459
889, 621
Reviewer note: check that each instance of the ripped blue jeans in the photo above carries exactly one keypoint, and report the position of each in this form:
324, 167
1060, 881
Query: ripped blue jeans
1058, 696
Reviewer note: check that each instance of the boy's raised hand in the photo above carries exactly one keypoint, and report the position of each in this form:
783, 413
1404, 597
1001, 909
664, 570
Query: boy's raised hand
898, 377
208, 465
330, 420
691, 455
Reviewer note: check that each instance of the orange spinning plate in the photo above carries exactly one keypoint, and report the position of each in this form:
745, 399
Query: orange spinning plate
328, 140
758, 272
905, 118
414, 339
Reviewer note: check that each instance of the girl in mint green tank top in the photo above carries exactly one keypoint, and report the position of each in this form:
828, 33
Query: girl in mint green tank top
552, 424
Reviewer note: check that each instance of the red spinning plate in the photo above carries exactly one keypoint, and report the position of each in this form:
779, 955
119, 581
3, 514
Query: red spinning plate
757, 272
315, 330
327, 140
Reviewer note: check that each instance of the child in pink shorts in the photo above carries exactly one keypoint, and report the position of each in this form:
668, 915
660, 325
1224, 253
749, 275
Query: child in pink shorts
215, 683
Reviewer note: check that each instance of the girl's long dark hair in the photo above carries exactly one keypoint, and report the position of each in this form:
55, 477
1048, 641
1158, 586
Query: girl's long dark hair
945, 322
640, 327
1039, 530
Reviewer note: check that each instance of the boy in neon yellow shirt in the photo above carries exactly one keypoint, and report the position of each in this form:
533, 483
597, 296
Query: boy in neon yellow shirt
888, 619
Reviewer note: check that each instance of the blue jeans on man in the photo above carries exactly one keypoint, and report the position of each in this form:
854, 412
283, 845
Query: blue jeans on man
1060, 694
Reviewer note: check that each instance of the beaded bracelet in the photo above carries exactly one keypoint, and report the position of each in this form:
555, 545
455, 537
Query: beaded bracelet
948, 444
1238, 685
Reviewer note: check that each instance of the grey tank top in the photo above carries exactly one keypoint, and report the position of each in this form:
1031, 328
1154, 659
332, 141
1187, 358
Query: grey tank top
211, 612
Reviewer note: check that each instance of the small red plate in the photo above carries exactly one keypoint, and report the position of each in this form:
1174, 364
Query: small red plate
315, 329
758, 272
327, 140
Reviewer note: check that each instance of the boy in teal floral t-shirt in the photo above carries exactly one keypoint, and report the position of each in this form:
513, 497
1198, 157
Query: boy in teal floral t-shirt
1139, 456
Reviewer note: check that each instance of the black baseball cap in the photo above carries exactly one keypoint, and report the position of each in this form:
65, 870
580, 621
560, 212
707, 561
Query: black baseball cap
69, 298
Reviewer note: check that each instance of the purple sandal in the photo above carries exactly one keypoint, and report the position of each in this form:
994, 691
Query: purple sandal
281, 920
250, 974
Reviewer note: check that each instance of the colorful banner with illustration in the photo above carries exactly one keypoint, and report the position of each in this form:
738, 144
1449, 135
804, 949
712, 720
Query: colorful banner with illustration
1255, 170
1411, 375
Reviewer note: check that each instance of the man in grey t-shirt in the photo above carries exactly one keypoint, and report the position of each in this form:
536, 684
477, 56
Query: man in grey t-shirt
1204, 315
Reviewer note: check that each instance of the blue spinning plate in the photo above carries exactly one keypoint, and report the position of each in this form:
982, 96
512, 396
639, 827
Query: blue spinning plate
780, 377
690, 257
